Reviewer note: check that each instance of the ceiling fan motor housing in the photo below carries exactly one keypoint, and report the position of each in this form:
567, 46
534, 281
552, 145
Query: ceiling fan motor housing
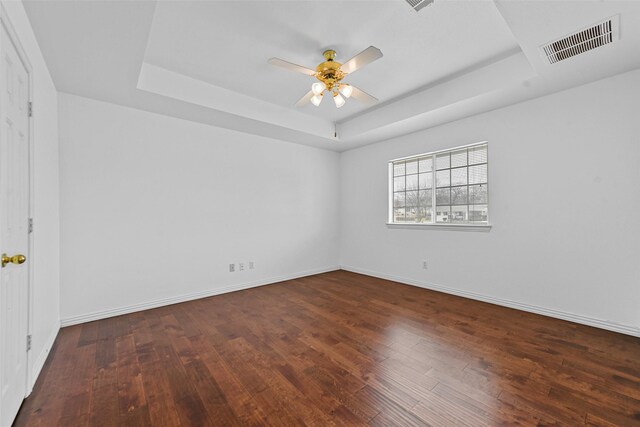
329, 72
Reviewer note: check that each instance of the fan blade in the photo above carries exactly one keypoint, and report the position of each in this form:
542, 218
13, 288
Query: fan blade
305, 99
291, 66
365, 57
363, 96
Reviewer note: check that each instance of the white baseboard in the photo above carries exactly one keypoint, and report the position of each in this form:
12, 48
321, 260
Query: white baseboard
576, 318
42, 358
103, 314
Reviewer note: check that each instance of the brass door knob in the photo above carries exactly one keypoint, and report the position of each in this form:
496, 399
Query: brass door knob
16, 259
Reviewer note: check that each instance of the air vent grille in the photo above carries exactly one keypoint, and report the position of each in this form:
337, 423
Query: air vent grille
419, 4
584, 40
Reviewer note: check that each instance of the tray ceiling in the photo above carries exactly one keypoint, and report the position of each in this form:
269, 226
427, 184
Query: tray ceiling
205, 61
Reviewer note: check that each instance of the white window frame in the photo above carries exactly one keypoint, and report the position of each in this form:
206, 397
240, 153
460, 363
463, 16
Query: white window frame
436, 225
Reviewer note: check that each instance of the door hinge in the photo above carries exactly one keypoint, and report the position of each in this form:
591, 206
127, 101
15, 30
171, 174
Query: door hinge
30, 225
30, 109
28, 342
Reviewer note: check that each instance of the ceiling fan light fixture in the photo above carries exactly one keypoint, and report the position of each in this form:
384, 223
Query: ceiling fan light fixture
316, 99
317, 88
346, 90
329, 75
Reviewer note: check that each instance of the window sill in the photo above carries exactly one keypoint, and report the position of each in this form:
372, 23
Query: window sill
456, 227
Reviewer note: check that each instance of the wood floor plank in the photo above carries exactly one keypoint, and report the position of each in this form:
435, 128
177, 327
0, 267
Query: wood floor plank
161, 407
391, 412
239, 399
336, 349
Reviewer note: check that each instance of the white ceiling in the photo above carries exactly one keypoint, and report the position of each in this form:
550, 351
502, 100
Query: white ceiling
227, 44
205, 61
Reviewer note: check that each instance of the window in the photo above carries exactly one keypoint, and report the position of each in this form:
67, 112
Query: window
444, 187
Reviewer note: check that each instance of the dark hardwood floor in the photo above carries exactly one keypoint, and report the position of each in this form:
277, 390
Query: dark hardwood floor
336, 348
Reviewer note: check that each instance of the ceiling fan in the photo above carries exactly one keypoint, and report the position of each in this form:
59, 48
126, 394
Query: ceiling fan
330, 74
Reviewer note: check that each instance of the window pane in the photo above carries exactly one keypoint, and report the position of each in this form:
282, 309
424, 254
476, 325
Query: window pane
398, 214
424, 214
443, 178
478, 194
412, 198
425, 180
478, 155
478, 174
398, 200
459, 176
459, 195
459, 158
398, 169
426, 164
443, 196
442, 213
398, 183
425, 198
458, 214
410, 214
478, 213
412, 167
442, 161
412, 182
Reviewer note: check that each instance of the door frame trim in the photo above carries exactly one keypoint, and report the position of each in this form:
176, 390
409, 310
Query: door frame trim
5, 21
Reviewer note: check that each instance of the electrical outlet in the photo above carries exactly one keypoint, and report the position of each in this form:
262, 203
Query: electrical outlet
241, 266
232, 268
250, 265
424, 264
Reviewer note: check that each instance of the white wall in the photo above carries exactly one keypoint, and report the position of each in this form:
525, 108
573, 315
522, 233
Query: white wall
565, 208
154, 208
45, 313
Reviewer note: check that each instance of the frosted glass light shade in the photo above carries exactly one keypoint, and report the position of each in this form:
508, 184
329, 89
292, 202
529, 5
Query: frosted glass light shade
346, 90
339, 100
317, 88
316, 99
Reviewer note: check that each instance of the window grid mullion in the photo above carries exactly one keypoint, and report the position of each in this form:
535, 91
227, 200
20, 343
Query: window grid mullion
434, 208
468, 211
405, 191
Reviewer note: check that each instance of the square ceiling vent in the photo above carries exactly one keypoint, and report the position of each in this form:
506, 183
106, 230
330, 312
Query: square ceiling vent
419, 4
587, 39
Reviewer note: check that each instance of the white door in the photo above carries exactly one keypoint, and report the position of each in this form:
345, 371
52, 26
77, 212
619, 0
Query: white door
14, 228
